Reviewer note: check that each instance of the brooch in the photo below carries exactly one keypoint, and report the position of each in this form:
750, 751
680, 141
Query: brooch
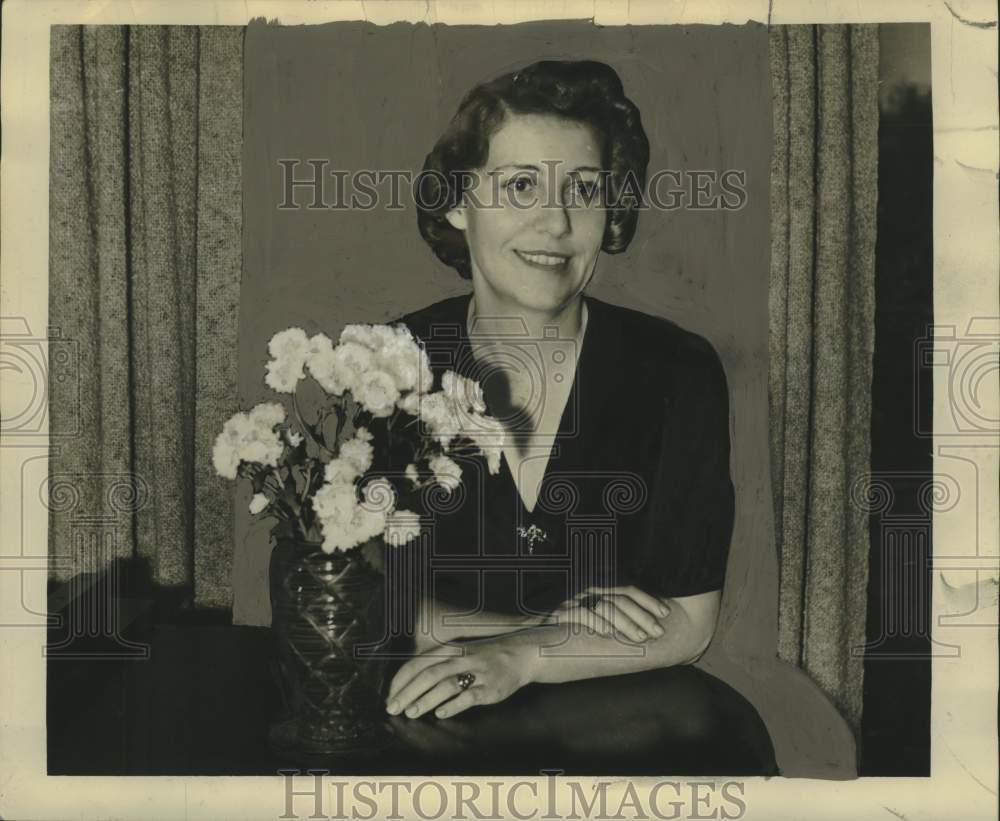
532, 534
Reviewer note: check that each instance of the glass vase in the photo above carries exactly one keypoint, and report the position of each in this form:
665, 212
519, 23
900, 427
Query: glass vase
329, 625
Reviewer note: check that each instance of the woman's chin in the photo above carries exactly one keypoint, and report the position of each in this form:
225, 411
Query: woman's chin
543, 294
547, 303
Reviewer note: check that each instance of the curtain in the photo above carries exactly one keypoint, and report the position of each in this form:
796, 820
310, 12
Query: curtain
822, 307
145, 219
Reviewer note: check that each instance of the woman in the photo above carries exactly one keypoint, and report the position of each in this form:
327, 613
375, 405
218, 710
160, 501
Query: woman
613, 509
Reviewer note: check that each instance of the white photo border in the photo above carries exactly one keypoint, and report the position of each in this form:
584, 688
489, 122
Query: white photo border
964, 756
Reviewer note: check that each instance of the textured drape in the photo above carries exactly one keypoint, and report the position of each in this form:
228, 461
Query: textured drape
822, 308
145, 220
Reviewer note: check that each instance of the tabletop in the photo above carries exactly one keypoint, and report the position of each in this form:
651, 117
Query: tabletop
203, 700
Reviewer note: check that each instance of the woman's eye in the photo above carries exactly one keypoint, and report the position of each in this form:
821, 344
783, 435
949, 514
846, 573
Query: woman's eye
520, 184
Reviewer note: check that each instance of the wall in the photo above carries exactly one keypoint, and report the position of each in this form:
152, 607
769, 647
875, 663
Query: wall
364, 96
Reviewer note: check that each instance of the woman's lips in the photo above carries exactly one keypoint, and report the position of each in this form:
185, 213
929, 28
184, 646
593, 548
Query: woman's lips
543, 260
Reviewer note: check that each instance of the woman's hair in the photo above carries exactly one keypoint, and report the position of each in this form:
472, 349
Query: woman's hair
586, 92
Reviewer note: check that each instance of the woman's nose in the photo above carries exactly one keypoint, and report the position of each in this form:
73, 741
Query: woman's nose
553, 218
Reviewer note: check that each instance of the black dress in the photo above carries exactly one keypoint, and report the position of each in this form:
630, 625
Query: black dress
637, 489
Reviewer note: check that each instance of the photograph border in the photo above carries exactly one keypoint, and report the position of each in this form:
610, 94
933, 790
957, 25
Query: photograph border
964, 755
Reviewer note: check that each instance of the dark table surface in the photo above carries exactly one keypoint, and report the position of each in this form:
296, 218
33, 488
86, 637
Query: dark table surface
203, 700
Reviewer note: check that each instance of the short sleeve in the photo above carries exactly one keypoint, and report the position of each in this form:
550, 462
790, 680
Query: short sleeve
686, 537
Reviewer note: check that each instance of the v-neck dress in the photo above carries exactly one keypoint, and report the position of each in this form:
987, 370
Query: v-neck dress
637, 489
541, 450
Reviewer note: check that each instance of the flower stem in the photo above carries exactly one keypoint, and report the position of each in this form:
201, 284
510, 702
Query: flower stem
286, 498
307, 427
306, 490
341, 420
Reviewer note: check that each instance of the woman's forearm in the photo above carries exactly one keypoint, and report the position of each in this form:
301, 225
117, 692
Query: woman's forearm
440, 622
566, 652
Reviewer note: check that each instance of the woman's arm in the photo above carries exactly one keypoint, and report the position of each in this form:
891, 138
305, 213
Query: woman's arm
553, 654
547, 654
439, 622
625, 611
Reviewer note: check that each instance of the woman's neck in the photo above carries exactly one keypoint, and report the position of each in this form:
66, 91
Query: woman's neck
492, 317
499, 338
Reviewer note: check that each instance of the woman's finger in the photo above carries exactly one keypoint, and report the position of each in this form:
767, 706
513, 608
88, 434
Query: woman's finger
463, 701
640, 615
586, 617
438, 694
416, 665
597, 622
654, 605
620, 620
643, 599
420, 684
407, 672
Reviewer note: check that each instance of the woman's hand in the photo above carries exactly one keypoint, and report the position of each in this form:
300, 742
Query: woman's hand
616, 610
429, 681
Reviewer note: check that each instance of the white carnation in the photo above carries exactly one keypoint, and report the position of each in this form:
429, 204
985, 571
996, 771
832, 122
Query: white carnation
358, 453
335, 502
290, 343
410, 403
258, 503
343, 534
283, 376
467, 394
226, 452
489, 436
225, 457
425, 376
336, 537
401, 527
401, 360
349, 362
289, 350
264, 451
404, 359
437, 412
446, 472
267, 414
360, 334
493, 460
384, 336
377, 393
249, 438
340, 471
331, 373
368, 523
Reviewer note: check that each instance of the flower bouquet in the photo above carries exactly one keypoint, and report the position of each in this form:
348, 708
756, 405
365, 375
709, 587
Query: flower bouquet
344, 486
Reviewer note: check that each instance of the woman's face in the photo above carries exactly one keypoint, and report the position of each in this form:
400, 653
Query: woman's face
533, 238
